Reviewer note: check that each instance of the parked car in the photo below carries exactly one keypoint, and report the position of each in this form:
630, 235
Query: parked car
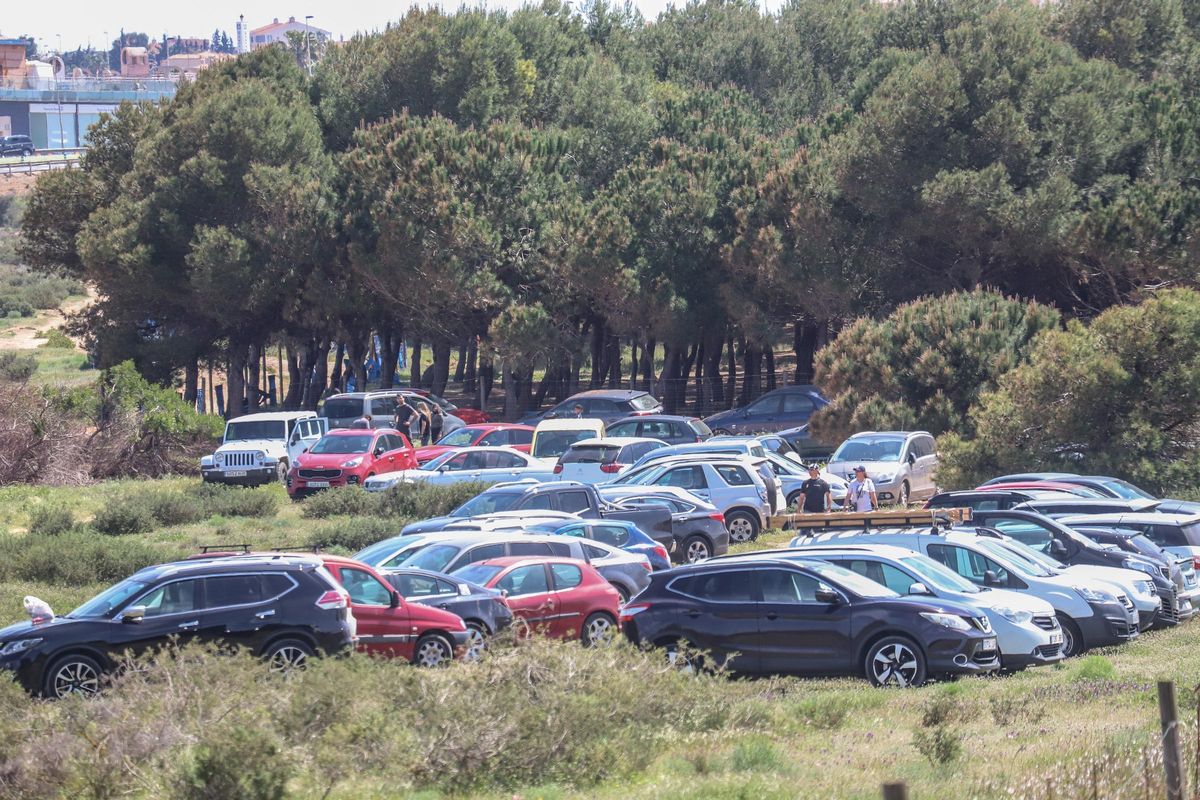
283, 608
1108, 487
1027, 632
776, 410
724, 446
731, 484
1085, 505
697, 529
1042, 486
792, 476
1091, 613
485, 612
901, 464
552, 437
664, 427
559, 597
771, 443
348, 457
599, 460
994, 500
260, 448
17, 145
1175, 533
468, 465
470, 416
627, 572
614, 533
806, 445
341, 410
809, 617
518, 437
1180, 570
606, 405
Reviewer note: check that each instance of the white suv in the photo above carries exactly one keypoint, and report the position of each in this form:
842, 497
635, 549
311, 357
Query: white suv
900, 463
258, 448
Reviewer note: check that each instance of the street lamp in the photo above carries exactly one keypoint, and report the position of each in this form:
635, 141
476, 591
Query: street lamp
308, 42
62, 140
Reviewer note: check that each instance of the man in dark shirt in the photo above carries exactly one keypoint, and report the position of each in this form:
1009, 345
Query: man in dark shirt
403, 416
817, 498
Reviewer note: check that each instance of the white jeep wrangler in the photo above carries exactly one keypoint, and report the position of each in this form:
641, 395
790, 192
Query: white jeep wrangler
259, 448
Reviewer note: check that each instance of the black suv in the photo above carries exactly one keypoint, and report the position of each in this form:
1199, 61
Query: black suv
808, 617
17, 145
283, 608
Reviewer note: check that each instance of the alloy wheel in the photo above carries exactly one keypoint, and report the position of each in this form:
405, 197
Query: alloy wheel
289, 658
903, 499
741, 530
432, 652
76, 677
896, 665
598, 630
476, 644
697, 550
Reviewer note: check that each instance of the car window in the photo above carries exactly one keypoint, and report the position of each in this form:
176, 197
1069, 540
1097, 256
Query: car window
1023, 531
764, 405
501, 461
494, 439
620, 429
594, 553
529, 549
566, 576
656, 429
445, 587
416, 585
541, 502
887, 575
1164, 535
232, 590
517, 436
572, 502
382, 406
613, 535
731, 586
734, 476
796, 403
178, 597
524, 580
365, 589
601, 406
482, 553
969, 564
785, 586
460, 461
683, 477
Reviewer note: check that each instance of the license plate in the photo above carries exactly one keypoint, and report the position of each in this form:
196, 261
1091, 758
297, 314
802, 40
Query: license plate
235, 473
318, 484
1056, 638
988, 644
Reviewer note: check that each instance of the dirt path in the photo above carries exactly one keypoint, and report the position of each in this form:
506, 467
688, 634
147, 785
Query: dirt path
30, 334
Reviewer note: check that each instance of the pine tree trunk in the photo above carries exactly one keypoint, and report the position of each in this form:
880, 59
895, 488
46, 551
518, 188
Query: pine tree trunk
671, 378
441, 368
731, 378
414, 358
470, 372
769, 354
295, 388
633, 362
320, 375
254, 377
191, 382
388, 345
338, 377
648, 365
487, 376
461, 366
235, 385
614, 361
806, 338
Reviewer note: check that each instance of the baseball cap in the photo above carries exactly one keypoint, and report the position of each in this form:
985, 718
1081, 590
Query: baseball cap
860, 468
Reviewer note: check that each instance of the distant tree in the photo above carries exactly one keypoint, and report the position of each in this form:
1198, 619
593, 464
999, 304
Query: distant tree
122, 41
31, 51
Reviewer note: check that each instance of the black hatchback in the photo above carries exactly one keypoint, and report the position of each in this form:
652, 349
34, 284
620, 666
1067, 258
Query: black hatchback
808, 617
285, 609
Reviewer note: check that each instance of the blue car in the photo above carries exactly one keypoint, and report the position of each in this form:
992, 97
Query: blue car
614, 532
776, 410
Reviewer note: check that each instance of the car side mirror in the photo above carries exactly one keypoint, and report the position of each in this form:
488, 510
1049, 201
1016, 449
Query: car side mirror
305, 450
395, 601
990, 579
1057, 548
912, 458
827, 595
133, 614
919, 588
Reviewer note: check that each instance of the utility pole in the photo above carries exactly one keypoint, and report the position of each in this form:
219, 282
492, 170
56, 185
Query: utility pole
308, 42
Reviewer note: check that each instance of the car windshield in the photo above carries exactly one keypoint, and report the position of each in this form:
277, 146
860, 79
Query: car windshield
108, 601
433, 464
552, 444
262, 429
343, 409
859, 584
1125, 490
380, 551
463, 437
478, 574
1013, 557
488, 503
591, 454
643, 402
783, 465
343, 444
1046, 560
435, 557
939, 576
870, 448
640, 477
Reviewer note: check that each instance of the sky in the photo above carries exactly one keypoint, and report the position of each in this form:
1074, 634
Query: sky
79, 22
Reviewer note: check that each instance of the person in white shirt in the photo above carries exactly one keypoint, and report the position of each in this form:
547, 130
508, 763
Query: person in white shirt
862, 491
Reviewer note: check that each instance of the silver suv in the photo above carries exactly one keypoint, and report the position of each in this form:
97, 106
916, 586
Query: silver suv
901, 464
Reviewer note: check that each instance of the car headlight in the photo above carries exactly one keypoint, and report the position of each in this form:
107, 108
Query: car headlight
1014, 615
18, 646
886, 477
1095, 595
354, 462
220, 458
951, 621
1145, 587
206, 461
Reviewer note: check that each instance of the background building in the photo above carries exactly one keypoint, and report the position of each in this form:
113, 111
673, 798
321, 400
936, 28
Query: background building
277, 33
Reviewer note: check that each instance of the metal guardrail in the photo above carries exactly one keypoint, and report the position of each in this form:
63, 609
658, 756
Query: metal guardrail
43, 161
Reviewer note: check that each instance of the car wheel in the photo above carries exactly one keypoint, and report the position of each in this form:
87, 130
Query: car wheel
27, 152
743, 526
598, 629
70, 675
476, 641
287, 656
281, 471
696, 548
682, 657
433, 651
623, 592
721, 432
1072, 638
794, 500
902, 498
895, 661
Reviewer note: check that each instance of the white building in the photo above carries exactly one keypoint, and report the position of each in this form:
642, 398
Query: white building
242, 37
277, 32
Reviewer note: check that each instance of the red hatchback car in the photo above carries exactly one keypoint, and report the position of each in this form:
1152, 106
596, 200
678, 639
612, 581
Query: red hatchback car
560, 597
347, 457
493, 434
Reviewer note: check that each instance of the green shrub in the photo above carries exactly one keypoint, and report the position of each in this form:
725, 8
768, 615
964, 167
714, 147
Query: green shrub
945, 706
756, 754
422, 501
339, 502
238, 764
174, 508
16, 366
354, 534
51, 521
235, 502
57, 339
1095, 668
79, 557
1008, 710
940, 744
126, 515
825, 711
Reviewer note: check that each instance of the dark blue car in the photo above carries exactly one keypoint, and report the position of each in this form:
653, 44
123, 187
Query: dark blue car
625, 535
777, 410
484, 611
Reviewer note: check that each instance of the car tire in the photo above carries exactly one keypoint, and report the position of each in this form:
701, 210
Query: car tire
281, 471
895, 661
28, 151
1073, 643
743, 526
682, 656
286, 656
433, 650
623, 592
598, 629
74, 674
696, 548
721, 432
904, 496
477, 643
795, 500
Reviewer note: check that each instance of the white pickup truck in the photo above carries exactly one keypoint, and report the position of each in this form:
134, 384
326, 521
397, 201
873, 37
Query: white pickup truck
258, 448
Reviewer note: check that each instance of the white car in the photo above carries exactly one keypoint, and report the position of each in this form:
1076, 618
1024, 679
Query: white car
259, 448
600, 460
470, 464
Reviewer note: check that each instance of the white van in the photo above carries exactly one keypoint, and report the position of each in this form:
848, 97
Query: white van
552, 437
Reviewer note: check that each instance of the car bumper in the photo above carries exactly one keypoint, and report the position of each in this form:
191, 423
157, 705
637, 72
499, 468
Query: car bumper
256, 476
1025, 645
26, 668
1109, 624
460, 641
301, 487
976, 654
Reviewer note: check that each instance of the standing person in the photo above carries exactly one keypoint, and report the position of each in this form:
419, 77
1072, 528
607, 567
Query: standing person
423, 423
862, 492
437, 421
817, 497
403, 416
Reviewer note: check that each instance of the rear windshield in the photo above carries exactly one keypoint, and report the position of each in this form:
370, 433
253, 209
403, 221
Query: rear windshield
377, 552
552, 444
591, 454
488, 503
862, 586
1192, 534
343, 409
478, 574
264, 429
343, 444
643, 402
463, 437
434, 558
699, 426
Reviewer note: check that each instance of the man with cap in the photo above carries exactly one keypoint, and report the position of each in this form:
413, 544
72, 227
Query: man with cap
861, 496
817, 498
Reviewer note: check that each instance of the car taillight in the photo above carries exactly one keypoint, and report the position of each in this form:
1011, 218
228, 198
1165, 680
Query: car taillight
718, 516
1195, 562
661, 552
558, 469
646, 565
631, 610
611, 468
333, 600
640, 413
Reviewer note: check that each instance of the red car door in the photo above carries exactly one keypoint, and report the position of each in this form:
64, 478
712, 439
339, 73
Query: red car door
530, 596
401, 455
383, 628
574, 600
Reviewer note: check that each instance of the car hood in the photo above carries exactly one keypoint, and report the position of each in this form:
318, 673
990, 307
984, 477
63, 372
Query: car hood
934, 605
326, 460
249, 444
28, 628
432, 451
1003, 598
429, 525
1114, 575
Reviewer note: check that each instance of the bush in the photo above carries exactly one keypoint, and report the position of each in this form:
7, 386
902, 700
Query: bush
232, 501
79, 557
945, 706
940, 744
338, 502
16, 366
239, 764
354, 534
1007, 710
422, 501
123, 516
51, 521
174, 508
1095, 668
58, 340
756, 754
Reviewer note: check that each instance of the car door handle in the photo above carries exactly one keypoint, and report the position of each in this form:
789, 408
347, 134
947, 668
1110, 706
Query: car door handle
265, 614
189, 626
693, 613
772, 615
